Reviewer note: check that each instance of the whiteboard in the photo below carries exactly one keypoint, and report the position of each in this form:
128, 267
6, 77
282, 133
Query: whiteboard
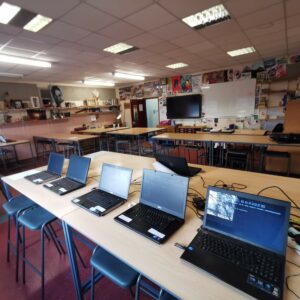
229, 99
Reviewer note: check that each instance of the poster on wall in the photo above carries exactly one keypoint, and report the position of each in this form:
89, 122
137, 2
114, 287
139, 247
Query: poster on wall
137, 91
149, 90
294, 59
196, 83
176, 85
213, 77
186, 84
162, 105
124, 93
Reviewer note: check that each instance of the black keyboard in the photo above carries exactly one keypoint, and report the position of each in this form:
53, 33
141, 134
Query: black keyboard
256, 262
42, 175
101, 198
154, 217
66, 183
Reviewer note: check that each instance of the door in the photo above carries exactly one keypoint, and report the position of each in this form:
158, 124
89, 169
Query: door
152, 112
138, 113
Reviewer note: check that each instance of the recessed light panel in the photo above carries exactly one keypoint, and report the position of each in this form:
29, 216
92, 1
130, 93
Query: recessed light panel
241, 51
120, 48
210, 16
98, 82
129, 76
8, 12
177, 65
37, 23
24, 61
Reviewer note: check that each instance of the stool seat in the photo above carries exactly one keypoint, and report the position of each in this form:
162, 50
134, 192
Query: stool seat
34, 218
238, 153
16, 204
113, 268
167, 296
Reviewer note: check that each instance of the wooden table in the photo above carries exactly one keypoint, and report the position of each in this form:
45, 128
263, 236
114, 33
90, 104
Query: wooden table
66, 138
136, 132
99, 131
160, 263
262, 142
13, 145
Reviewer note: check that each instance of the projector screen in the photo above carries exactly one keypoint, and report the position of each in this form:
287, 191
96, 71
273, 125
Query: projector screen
229, 99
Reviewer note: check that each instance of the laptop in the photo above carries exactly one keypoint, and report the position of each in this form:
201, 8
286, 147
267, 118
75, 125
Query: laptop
243, 242
4, 140
177, 164
112, 191
54, 170
161, 209
76, 176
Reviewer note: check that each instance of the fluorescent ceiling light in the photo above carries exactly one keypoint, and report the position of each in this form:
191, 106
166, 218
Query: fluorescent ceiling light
177, 65
24, 61
96, 82
128, 76
119, 48
37, 23
241, 51
11, 75
210, 16
7, 12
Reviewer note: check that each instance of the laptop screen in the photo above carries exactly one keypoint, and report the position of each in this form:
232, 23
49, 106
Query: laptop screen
56, 163
115, 180
164, 191
2, 139
78, 168
257, 220
177, 164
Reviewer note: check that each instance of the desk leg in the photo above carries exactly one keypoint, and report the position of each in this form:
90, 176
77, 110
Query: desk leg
72, 257
15, 153
78, 148
139, 144
154, 145
261, 158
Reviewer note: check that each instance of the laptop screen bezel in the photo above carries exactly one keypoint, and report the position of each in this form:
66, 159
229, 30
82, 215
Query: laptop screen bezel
161, 207
267, 200
87, 159
116, 168
60, 156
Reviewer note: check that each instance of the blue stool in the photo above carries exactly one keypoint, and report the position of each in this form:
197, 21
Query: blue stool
37, 218
112, 268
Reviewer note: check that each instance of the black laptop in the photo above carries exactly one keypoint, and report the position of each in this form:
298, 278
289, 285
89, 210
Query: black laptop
112, 191
4, 140
54, 170
177, 164
162, 206
76, 176
243, 241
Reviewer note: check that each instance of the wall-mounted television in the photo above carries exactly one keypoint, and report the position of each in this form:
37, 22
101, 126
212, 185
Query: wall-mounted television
184, 107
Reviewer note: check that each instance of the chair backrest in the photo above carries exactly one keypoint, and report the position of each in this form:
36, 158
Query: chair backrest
5, 190
278, 128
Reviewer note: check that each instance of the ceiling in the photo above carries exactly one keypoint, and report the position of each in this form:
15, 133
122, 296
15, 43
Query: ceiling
73, 42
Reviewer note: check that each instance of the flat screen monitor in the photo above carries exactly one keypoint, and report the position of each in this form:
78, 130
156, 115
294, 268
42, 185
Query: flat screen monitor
184, 107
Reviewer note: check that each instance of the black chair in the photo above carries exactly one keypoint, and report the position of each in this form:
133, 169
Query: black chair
279, 154
237, 158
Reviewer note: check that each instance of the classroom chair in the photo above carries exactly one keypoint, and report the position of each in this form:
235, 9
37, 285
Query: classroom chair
237, 157
45, 145
278, 154
112, 268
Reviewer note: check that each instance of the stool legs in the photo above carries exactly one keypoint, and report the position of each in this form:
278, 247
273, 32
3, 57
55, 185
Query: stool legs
92, 282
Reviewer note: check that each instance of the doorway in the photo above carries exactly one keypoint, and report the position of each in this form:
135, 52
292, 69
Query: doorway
152, 112
138, 113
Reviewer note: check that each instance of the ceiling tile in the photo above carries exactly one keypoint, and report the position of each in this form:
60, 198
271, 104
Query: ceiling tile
293, 21
188, 40
172, 30
176, 53
143, 40
185, 8
39, 37
28, 44
161, 47
265, 29
61, 51
65, 31
6, 67
293, 31
238, 8
150, 17
292, 7
5, 38
120, 8
10, 29
88, 17
97, 41
53, 8
121, 31
270, 14
18, 52
204, 46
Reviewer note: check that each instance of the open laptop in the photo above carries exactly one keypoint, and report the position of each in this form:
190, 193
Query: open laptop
162, 206
177, 164
54, 170
243, 241
76, 176
4, 140
112, 191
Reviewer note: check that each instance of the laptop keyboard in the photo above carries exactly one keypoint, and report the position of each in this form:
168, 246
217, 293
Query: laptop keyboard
154, 217
43, 175
101, 198
255, 262
66, 183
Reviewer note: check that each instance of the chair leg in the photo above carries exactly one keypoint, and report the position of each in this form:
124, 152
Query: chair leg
54, 240
57, 239
79, 256
137, 287
8, 241
92, 282
23, 256
42, 262
17, 249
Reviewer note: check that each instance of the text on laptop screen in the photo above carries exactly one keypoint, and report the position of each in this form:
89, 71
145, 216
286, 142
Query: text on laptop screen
166, 192
78, 168
254, 219
56, 163
115, 180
